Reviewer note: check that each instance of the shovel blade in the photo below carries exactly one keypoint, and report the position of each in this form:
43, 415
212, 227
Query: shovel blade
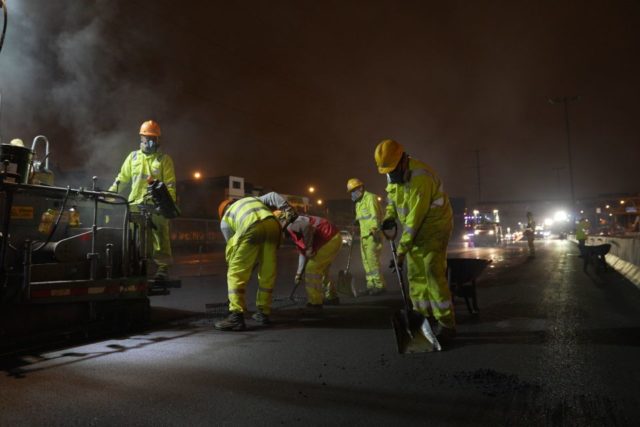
409, 337
346, 284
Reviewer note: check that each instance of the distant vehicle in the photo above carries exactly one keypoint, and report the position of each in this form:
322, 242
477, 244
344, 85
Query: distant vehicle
484, 234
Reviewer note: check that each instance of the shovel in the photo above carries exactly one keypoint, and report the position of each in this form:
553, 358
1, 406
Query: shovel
346, 285
413, 332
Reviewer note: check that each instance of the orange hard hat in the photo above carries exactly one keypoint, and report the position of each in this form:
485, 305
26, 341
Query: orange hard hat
388, 154
223, 207
150, 128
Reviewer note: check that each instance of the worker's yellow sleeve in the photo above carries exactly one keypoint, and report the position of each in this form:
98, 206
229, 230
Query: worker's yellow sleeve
169, 175
417, 205
124, 176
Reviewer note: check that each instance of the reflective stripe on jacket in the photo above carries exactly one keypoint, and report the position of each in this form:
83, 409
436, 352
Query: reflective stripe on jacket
419, 204
137, 167
368, 213
242, 214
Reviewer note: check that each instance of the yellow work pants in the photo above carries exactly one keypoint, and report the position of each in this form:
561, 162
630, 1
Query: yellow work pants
427, 266
259, 244
370, 248
317, 272
161, 240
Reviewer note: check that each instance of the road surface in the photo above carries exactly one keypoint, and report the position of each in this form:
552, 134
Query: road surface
551, 345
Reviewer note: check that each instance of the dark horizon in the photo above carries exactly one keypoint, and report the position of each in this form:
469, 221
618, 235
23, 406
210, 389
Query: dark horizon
299, 93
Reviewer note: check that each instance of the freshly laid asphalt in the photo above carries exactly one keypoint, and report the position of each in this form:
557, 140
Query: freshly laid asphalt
552, 345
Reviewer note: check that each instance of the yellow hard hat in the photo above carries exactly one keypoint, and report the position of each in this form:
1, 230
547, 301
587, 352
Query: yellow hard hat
388, 154
17, 142
150, 128
353, 183
223, 207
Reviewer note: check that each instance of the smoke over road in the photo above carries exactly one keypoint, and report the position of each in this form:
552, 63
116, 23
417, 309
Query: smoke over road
289, 94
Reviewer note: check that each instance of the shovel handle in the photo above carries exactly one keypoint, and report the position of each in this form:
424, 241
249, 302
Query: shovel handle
394, 254
350, 249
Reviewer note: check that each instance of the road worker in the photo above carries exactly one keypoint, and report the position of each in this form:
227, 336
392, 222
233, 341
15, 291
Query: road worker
318, 242
582, 228
369, 216
140, 165
253, 234
417, 199
529, 233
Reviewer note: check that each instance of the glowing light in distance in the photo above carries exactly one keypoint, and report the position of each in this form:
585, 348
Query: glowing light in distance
561, 216
197, 175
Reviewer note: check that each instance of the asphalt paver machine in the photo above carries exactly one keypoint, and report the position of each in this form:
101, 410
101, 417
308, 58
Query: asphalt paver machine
68, 257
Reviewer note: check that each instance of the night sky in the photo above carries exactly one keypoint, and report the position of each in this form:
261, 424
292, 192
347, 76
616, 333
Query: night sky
293, 93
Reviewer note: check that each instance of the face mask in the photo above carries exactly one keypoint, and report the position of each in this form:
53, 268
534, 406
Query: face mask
149, 146
396, 176
355, 195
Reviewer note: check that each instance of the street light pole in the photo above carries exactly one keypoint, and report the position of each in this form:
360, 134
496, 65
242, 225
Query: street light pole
565, 100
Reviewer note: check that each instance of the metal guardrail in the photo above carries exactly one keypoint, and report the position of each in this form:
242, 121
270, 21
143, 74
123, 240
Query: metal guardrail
196, 233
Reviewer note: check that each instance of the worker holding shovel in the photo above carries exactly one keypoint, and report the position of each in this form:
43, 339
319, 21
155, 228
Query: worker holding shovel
369, 215
417, 200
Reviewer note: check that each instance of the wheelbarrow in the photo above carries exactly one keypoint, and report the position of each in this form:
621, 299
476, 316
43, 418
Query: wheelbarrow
462, 273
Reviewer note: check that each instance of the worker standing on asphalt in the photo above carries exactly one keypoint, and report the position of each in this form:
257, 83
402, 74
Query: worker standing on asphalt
253, 234
581, 234
416, 198
318, 242
369, 215
140, 165
530, 233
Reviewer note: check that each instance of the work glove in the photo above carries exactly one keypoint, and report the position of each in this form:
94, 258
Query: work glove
298, 279
388, 224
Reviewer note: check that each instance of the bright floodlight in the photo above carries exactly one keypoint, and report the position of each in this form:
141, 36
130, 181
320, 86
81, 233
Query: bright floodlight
319, 201
548, 222
561, 216
197, 175
312, 189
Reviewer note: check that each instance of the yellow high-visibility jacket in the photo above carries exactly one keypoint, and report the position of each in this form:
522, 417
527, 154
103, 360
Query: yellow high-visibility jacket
137, 167
368, 213
581, 230
240, 216
420, 204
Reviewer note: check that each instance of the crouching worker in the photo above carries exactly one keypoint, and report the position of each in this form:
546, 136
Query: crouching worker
318, 242
253, 235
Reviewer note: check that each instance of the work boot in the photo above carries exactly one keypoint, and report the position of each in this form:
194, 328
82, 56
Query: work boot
261, 318
332, 301
443, 333
233, 322
430, 335
162, 274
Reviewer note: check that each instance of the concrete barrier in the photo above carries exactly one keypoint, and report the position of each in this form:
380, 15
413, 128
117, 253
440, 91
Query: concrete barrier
624, 255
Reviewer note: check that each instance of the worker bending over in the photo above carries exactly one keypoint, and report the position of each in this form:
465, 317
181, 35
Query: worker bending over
318, 242
252, 233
